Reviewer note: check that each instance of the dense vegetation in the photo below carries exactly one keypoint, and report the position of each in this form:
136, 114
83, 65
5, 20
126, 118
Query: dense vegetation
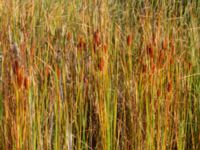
100, 74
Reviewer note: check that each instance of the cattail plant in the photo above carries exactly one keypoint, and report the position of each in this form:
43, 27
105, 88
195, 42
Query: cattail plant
69, 36
26, 82
150, 51
105, 48
161, 58
20, 77
189, 66
81, 44
144, 68
16, 67
97, 37
164, 44
129, 40
172, 45
96, 40
158, 93
169, 86
101, 64
153, 68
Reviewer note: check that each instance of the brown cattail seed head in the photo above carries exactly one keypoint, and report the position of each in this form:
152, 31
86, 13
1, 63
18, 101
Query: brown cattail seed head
96, 38
58, 72
169, 86
16, 67
158, 93
20, 78
32, 50
26, 82
189, 65
172, 45
101, 64
84, 46
22, 47
164, 44
153, 68
144, 68
171, 61
161, 57
150, 51
47, 71
69, 36
129, 40
105, 48
81, 45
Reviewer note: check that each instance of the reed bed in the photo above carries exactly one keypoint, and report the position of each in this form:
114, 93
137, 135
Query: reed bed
110, 74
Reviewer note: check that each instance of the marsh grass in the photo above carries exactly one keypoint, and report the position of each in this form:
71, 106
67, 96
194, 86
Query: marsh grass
100, 74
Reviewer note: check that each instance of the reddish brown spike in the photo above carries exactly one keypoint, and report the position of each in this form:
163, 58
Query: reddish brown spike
144, 68
153, 68
32, 51
96, 38
169, 86
171, 61
161, 57
81, 44
23, 47
20, 78
164, 44
69, 36
16, 67
158, 93
26, 82
47, 71
150, 51
129, 40
189, 65
172, 45
58, 72
101, 64
105, 48
84, 46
